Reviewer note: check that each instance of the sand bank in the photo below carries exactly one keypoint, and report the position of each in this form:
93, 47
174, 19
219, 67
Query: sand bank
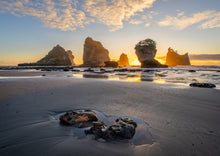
183, 121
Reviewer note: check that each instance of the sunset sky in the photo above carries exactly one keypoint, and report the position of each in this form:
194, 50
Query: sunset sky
29, 29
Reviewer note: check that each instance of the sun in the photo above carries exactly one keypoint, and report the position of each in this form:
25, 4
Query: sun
135, 62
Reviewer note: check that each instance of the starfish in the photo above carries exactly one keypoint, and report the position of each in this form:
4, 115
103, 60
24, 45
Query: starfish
82, 118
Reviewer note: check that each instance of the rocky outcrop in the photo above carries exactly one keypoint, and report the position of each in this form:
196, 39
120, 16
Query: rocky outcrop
123, 128
94, 53
112, 64
146, 51
174, 59
56, 57
72, 117
123, 60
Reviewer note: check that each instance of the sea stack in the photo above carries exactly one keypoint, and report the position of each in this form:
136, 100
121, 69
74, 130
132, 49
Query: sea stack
123, 60
56, 57
174, 59
94, 53
146, 51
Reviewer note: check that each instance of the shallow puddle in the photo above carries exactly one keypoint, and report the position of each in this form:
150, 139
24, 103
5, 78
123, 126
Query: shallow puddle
142, 135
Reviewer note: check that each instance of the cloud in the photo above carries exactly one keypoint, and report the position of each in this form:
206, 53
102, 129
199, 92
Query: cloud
113, 13
134, 21
210, 19
71, 14
60, 14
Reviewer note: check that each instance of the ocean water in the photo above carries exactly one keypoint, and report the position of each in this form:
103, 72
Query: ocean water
179, 75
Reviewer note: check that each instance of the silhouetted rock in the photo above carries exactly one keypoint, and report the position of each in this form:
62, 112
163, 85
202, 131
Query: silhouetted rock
56, 57
203, 85
123, 128
146, 51
123, 60
72, 117
94, 53
174, 59
112, 64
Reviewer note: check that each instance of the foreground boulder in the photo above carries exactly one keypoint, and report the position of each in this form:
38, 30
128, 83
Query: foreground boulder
146, 51
123, 128
123, 60
174, 59
94, 54
203, 85
56, 57
72, 117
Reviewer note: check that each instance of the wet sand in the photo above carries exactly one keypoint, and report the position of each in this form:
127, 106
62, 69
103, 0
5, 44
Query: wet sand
182, 120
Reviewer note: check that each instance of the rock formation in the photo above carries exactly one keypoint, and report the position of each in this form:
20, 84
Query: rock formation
174, 59
56, 57
146, 51
123, 128
94, 53
112, 64
123, 60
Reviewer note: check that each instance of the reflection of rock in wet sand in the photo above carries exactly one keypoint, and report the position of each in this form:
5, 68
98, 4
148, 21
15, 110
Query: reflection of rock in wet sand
95, 76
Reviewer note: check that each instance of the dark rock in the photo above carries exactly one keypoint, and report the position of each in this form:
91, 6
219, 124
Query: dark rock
123, 60
75, 70
203, 85
174, 59
121, 70
72, 117
192, 71
123, 128
112, 64
65, 69
89, 70
94, 53
146, 51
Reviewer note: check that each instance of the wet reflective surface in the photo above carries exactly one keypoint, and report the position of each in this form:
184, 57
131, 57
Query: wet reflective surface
181, 77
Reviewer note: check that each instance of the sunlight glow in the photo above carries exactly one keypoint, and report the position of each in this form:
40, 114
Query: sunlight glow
135, 62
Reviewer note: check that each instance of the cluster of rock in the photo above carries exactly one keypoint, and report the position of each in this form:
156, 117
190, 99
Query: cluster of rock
146, 51
56, 57
94, 54
122, 128
174, 59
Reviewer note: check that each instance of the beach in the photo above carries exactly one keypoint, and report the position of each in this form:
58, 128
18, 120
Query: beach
182, 120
